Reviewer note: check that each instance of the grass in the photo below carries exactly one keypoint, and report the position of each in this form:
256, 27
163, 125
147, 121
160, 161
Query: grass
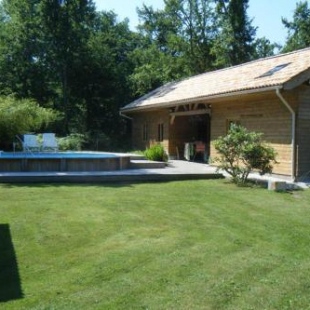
177, 245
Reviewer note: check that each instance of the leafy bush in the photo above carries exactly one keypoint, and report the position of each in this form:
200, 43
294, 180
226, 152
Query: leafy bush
241, 151
156, 153
72, 142
22, 116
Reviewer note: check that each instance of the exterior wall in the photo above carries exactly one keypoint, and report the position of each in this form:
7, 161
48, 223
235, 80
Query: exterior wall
303, 132
261, 113
182, 130
151, 119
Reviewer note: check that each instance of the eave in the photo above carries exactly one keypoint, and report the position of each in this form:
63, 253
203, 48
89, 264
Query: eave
202, 99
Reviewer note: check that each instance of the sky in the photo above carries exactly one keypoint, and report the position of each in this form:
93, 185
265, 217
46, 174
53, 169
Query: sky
266, 14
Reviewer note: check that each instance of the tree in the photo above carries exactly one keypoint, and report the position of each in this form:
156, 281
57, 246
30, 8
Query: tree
67, 56
21, 47
189, 37
235, 41
175, 43
67, 28
298, 29
43, 43
264, 48
103, 82
158, 56
21, 116
197, 28
153, 68
241, 151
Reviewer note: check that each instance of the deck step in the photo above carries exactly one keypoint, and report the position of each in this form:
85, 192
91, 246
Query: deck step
146, 164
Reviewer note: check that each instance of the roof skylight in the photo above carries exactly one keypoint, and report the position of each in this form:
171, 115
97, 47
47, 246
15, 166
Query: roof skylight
274, 70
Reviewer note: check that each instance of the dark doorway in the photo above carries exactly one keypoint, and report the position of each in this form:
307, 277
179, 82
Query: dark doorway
190, 131
201, 124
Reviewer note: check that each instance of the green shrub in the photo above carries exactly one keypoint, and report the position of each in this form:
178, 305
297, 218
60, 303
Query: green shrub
241, 151
22, 116
156, 153
72, 142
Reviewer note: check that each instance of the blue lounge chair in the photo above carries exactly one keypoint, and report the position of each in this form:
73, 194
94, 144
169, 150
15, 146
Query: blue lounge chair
49, 142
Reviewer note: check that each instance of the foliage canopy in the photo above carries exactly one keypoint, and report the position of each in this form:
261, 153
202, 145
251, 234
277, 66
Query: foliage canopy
21, 116
298, 29
87, 64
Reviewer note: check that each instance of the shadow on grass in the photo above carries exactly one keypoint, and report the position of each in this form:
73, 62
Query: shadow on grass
10, 283
110, 184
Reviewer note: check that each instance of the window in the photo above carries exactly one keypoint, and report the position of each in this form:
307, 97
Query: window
160, 132
145, 132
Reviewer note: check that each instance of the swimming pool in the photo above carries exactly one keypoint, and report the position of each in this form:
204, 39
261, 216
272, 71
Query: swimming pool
62, 161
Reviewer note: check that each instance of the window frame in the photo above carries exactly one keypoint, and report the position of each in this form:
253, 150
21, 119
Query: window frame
160, 132
145, 132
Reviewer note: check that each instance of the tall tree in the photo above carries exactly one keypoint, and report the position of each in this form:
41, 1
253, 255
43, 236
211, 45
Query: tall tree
197, 20
21, 50
103, 81
176, 42
236, 37
67, 25
67, 56
264, 48
43, 43
158, 58
298, 29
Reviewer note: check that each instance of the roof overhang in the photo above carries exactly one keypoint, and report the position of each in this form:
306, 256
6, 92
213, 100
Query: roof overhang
203, 99
298, 80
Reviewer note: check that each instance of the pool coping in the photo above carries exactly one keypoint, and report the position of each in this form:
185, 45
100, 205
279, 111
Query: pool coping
174, 170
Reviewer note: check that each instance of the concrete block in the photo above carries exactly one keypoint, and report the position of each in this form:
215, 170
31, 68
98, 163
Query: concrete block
277, 186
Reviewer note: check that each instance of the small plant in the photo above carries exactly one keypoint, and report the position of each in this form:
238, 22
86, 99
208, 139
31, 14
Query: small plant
156, 153
241, 151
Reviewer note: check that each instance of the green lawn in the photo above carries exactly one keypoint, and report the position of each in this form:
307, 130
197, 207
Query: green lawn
176, 245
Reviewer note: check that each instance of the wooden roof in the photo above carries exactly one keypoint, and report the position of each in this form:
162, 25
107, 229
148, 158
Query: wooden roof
285, 71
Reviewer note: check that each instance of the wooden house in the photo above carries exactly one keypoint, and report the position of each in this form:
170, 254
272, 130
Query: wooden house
269, 95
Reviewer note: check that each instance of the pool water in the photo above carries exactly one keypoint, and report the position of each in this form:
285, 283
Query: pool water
58, 155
